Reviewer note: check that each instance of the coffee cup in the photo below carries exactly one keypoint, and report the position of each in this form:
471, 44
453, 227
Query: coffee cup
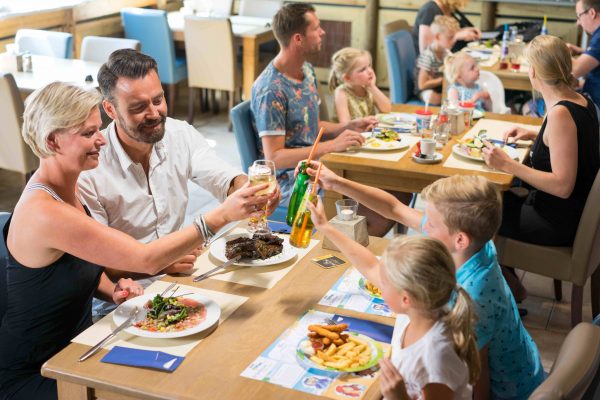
467, 108
423, 120
427, 147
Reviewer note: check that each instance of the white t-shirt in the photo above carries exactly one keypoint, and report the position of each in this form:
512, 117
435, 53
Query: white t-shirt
431, 359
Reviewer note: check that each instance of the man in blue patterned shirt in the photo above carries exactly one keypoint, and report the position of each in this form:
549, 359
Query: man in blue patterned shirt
285, 99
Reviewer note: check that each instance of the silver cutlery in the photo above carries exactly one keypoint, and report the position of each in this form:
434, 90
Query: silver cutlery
168, 288
118, 329
224, 265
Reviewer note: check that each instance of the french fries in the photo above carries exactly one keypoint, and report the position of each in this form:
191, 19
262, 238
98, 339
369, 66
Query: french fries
372, 288
340, 351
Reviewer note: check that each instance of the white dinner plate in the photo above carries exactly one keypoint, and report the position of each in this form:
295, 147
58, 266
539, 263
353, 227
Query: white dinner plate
437, 157
217, 250
373, 144
213, 312
398, 119
457, 150
477, 114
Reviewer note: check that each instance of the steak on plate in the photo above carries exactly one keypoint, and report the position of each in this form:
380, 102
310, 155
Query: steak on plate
259, 247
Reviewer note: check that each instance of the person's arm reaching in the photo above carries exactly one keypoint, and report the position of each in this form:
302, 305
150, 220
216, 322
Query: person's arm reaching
583, 65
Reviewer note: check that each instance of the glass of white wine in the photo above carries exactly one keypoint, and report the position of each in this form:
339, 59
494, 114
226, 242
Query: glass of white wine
261, 172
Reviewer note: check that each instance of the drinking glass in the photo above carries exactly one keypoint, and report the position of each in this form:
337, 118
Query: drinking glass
260, 172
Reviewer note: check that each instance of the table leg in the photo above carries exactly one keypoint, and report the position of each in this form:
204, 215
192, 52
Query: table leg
72, 391
250, 65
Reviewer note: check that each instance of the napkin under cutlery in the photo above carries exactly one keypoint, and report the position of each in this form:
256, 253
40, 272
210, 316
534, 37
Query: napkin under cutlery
143, 358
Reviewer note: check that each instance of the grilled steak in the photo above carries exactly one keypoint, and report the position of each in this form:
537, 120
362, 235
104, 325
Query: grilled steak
259, 247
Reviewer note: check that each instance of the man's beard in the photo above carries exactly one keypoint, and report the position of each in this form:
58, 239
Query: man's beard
137, 133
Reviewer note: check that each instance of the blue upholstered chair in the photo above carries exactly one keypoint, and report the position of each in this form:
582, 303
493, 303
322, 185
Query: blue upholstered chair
151, 28
247, 141
3, 261
45, 43
401, 61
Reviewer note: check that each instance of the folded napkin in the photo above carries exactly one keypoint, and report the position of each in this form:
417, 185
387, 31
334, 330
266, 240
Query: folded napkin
143, 358
280, 227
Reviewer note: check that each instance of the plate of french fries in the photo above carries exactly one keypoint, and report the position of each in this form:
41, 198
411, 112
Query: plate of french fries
370, 289
330, 348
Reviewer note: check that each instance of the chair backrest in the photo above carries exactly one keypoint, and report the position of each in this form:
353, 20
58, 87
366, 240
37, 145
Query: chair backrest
45, 43
575, 366
220, 8
99, 48
151, 29
395, 26
3, 262
15, 154
401, 60
260, 8
245, 136
493, 84
586, 247
210, 53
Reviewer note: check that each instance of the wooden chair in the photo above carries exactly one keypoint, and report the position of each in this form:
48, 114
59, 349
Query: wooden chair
210, 52
571, 264
15, 154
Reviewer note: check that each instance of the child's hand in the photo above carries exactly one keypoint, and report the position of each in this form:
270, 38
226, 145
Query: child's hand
391, 383
317, 213
327, 178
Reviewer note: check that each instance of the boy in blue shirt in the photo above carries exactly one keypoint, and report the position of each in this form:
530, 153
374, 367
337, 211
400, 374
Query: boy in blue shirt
464, 213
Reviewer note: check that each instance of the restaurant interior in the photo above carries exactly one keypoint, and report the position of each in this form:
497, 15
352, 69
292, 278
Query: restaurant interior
256, 313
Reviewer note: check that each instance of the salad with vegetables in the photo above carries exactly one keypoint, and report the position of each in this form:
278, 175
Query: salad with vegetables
387, 135
171, 314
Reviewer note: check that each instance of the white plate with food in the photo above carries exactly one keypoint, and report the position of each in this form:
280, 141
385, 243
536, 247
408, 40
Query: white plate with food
354, 351
475, 154
369, 289
376, 144
478, 114
168, 317
256, 250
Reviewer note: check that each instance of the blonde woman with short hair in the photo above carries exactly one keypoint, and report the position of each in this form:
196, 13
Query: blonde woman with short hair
57, 252
564, 157
422, 34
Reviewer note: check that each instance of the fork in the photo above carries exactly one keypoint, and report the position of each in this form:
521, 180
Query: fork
168, 288
329, 321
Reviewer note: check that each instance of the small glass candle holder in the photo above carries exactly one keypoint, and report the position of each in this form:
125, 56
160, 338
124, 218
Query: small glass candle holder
346, 209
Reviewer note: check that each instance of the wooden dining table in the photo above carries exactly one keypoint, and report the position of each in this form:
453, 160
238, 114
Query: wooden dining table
46, 69
405, 175
212, 369
252, 32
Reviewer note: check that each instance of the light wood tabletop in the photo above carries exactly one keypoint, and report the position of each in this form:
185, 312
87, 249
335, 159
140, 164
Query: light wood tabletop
212, 369
405, 175
252, 34
49, 69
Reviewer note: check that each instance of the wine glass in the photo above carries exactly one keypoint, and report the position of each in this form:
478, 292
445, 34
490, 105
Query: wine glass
260, 172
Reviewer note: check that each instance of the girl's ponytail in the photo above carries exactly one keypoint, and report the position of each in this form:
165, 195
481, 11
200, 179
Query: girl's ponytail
461, 320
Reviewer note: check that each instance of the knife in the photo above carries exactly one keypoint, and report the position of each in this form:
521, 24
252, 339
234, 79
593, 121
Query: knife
118, 329
224, 265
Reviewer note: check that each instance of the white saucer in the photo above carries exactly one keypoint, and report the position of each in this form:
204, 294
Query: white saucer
437, 157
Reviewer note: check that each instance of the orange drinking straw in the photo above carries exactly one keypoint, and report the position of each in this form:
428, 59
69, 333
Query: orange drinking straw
314, 191
314, 148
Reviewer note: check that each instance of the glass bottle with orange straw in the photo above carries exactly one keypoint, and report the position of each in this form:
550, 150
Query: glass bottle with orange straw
302, 226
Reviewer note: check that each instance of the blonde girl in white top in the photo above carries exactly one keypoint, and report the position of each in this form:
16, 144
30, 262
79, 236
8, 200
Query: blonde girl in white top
353, 82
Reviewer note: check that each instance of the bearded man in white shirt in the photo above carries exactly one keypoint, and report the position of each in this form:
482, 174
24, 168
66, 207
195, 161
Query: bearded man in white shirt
140, 186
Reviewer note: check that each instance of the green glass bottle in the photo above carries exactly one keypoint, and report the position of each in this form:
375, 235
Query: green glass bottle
299, 190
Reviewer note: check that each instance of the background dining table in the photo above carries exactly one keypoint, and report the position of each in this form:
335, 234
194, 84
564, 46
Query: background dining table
405, 175
252, 31
212, 369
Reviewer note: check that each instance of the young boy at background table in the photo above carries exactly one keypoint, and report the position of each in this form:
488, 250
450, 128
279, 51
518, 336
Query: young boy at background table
463, 212
431, 61
462, 72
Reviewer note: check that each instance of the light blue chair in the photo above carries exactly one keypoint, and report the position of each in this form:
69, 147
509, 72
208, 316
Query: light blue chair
247, 141
401, 61
152, 30
45, 43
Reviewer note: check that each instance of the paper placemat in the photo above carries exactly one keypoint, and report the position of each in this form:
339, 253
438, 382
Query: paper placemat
349, 293
495, 130
175, 346
279, 365
389, 155
263, 277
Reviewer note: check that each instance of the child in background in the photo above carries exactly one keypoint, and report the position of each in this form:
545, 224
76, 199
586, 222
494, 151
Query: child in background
464, 213
462, 72
431, 61
352, 80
